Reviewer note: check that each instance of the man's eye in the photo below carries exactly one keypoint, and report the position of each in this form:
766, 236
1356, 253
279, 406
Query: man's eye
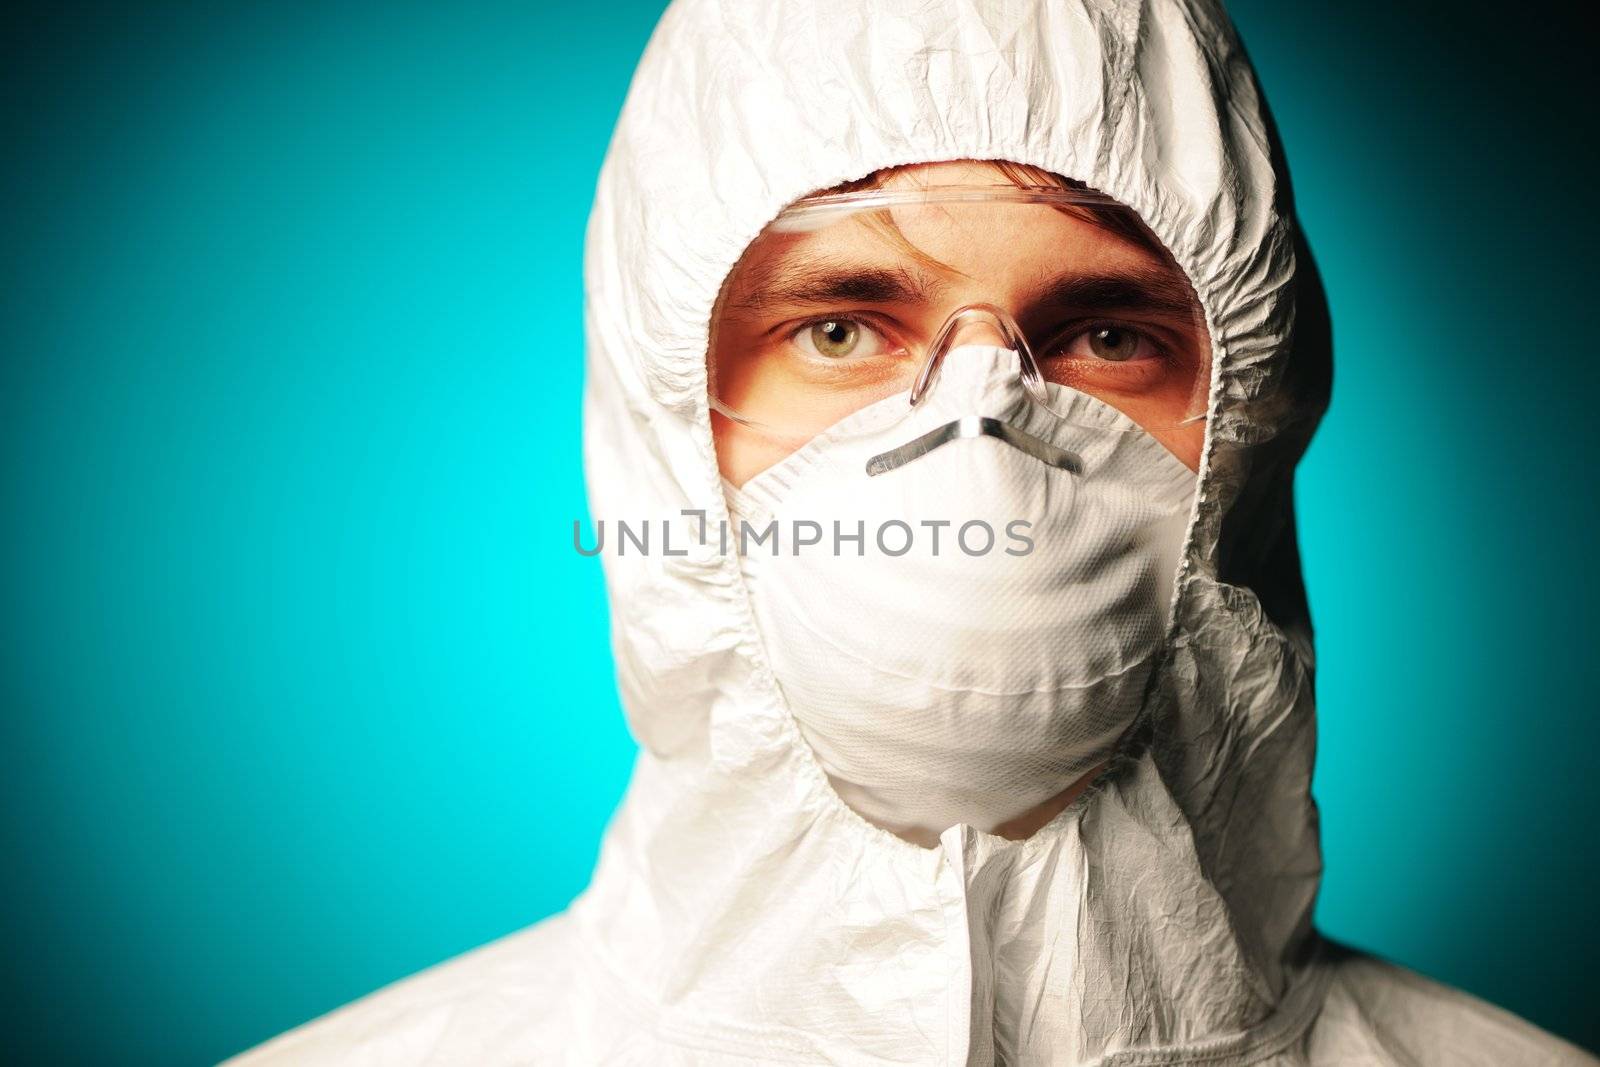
1110, 343
839, 339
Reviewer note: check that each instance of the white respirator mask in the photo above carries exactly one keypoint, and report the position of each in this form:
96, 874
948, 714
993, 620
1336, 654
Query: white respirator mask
962, 604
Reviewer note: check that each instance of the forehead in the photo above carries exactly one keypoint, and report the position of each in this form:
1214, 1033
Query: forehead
965, 246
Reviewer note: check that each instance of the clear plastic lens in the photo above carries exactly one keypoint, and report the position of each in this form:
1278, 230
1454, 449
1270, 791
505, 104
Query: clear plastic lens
849, 300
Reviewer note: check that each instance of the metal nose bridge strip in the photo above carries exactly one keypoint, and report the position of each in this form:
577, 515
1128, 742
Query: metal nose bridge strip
975, 426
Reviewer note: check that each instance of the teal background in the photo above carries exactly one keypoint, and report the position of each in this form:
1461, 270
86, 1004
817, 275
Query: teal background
303, 686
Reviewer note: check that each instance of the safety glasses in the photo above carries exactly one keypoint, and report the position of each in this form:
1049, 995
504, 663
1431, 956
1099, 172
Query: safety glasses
842, 313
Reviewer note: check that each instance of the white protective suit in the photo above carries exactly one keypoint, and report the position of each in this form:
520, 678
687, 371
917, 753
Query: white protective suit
740, 911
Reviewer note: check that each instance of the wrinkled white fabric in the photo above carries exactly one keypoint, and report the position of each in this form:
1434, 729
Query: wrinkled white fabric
986, 637
740, 911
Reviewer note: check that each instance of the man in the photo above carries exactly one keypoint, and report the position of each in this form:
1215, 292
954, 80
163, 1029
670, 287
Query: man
901, 805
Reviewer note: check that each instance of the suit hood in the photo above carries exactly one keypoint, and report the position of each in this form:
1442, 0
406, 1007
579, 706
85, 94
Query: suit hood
1172, 906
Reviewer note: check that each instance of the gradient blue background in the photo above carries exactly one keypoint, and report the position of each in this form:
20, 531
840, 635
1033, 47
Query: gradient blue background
304, 688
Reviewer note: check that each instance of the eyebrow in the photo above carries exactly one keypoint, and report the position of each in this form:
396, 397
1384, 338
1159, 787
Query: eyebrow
1155, 291
821, 283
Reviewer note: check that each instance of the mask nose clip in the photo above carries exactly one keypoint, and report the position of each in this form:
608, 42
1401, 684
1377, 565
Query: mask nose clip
969, 426
963, 323
971, 318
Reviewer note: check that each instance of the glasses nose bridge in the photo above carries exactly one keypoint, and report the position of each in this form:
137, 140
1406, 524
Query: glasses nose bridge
979, 324
974, 327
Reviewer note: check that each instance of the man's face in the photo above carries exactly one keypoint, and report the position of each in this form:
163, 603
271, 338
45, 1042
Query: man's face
1103, 315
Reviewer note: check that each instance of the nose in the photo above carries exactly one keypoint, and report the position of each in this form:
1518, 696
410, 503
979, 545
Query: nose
974, 329
978, 324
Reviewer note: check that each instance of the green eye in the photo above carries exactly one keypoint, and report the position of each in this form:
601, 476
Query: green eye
835, 339
1113, 343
